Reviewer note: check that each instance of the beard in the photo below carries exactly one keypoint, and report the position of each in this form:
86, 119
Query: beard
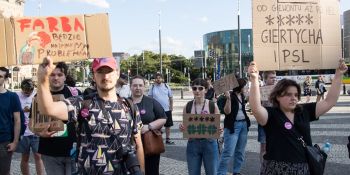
105, 86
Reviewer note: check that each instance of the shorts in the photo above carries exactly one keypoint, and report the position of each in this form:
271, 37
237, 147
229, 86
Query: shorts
169, 120
261, 135
307, 92
28, 142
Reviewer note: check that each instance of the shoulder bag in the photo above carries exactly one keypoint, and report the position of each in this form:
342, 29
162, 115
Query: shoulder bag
316, 158
153, 142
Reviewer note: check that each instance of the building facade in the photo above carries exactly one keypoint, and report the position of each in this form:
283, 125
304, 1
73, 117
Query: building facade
222, 51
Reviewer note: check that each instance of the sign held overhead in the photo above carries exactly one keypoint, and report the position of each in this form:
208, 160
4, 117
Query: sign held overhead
296, 35
63, 38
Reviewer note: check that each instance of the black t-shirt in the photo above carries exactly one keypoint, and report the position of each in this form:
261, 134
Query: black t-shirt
59, 146
150, 110
281, 143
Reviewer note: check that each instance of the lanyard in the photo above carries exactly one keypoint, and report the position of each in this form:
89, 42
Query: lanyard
195, 108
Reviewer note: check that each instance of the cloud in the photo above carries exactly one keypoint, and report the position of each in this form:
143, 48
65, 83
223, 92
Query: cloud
203, 19
98, 3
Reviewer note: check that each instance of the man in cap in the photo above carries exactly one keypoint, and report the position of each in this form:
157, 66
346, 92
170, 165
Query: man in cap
107, 125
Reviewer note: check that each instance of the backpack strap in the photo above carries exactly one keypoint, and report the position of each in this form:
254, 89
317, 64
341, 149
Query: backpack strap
189, 106
128, 103
211, 107
73, 90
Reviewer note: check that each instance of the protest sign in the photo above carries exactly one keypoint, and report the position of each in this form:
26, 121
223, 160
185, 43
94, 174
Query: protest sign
40, 122
296, 35
201, 126
28, 40
265, 92
225, 84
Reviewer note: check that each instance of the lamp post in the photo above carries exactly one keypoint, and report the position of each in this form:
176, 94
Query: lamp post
160, 45
239, 43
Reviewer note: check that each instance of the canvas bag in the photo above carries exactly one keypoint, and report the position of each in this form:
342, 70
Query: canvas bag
153, 142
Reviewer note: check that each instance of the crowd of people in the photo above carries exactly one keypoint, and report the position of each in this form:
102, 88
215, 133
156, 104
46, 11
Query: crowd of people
104, 127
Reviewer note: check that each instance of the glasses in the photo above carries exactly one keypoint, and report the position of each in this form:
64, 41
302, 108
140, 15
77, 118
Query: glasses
200, 88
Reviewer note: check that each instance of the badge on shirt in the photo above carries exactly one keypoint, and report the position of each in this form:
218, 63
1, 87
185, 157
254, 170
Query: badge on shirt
142, 111
288, 125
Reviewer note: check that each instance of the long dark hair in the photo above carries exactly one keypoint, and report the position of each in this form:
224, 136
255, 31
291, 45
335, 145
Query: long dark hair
281, 90
241, 83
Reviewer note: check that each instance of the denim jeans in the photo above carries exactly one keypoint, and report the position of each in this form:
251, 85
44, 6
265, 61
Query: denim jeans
202, 150
234, 146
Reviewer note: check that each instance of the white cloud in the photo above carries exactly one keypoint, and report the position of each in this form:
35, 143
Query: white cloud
98, 3
203, 19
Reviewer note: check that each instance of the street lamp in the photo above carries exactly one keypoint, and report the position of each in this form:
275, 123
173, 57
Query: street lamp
239, 43
160, 45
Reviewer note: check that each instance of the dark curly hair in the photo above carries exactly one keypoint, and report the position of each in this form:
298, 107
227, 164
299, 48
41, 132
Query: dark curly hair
27, 84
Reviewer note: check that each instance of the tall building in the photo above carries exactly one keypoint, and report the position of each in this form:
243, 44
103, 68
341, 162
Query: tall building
223, 47
346, 35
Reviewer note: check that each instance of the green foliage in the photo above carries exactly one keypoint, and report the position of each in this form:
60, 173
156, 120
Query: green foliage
148, 64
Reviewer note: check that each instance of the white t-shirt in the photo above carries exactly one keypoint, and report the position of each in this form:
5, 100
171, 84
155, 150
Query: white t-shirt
26, 102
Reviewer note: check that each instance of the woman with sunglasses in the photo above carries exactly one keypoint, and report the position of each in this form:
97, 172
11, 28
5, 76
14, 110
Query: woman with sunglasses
285, 153
236, 124
201, 149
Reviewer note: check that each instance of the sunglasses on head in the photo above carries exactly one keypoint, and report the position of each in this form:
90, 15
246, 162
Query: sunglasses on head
200, 88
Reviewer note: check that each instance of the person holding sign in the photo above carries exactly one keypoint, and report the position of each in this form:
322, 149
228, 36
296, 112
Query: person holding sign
201, 149
108, 127
285, 154
236, 126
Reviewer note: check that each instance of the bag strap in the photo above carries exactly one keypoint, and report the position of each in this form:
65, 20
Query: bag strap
211, 107
189, 106
294, 132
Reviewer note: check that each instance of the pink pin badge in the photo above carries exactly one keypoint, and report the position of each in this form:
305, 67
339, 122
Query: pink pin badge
143, 111
288, 125
84, 112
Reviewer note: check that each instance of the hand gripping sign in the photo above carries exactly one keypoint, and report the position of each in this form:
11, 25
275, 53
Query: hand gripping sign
201, 125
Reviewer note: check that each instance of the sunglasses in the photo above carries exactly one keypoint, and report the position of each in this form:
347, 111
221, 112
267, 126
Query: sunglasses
200, 88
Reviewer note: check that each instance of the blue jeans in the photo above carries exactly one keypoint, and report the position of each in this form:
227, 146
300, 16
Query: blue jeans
234, 146
202, 150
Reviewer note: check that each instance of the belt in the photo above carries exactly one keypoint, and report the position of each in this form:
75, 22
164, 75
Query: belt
242, 120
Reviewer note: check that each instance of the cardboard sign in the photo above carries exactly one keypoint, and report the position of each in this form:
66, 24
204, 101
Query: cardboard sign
225, 84
296, 35
27, 40
201, 126
265, 92
40, 122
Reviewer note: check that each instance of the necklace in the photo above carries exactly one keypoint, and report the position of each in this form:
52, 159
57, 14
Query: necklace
195, 106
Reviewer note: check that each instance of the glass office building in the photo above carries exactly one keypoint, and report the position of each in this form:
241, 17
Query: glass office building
223, 46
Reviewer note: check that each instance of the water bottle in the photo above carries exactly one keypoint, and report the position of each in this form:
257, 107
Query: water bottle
327, 147
73, 150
